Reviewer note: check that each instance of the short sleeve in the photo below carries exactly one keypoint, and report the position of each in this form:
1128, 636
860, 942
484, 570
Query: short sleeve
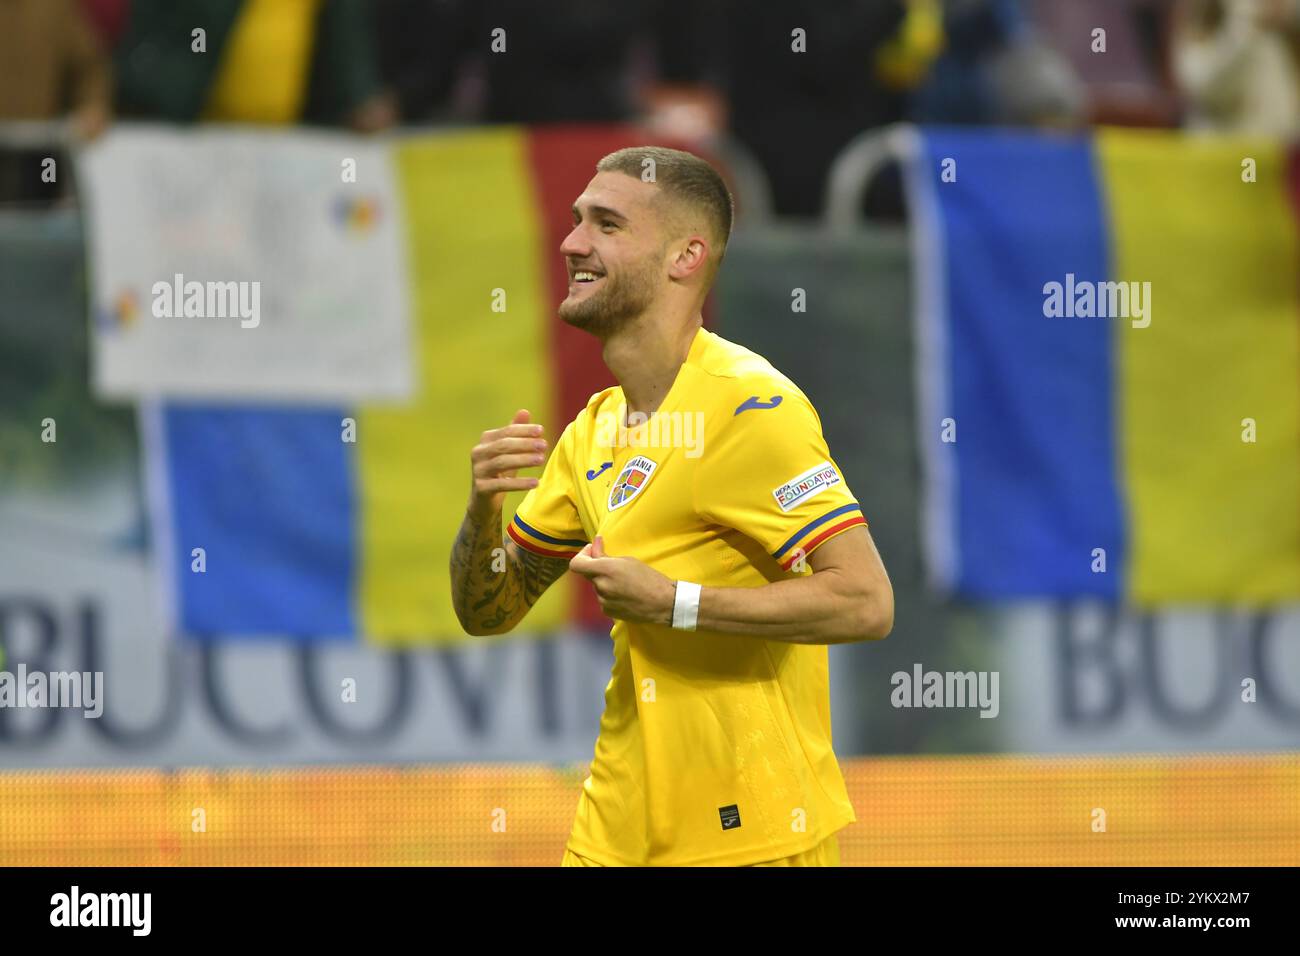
769, 475
547, 520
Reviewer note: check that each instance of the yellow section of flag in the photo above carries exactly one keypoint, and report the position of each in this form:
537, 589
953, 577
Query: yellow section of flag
1211, 515
480, 316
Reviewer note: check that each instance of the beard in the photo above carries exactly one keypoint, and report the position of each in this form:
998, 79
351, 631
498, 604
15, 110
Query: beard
619, 300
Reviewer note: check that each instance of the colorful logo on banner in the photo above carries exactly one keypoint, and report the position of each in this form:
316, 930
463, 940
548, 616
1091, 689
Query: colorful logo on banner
121, 314
356, 214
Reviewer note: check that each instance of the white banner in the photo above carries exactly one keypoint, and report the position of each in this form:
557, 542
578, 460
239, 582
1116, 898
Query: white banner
228, 263
68, 607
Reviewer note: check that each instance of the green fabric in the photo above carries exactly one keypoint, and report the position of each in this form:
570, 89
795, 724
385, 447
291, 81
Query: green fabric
160, 77
344, 71
158, 74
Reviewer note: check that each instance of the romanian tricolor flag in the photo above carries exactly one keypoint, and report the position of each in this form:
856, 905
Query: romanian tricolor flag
1108, 344
308, 534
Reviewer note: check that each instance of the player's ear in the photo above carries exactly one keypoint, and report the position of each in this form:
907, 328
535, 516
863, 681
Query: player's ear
690, 258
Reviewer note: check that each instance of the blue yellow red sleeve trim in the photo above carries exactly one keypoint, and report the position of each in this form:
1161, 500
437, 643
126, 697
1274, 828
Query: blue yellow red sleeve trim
803, 541
538, 542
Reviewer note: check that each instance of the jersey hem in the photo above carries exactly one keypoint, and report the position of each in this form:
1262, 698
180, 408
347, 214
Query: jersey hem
747, 858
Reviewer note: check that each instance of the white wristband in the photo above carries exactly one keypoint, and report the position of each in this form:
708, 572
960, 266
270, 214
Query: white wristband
686, 606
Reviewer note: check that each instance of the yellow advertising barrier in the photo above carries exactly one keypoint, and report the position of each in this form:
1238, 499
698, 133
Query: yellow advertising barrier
1203, 809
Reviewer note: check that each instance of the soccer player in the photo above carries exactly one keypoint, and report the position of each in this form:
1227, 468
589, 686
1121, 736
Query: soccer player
699, 498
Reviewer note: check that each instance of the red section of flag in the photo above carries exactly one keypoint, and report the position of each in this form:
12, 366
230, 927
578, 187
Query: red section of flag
563, 160
1293, 180
1293, 177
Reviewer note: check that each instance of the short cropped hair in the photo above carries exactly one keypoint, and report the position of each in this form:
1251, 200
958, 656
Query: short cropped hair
685, 179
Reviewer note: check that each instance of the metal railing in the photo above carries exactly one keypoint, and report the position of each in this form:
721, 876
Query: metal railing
854, 168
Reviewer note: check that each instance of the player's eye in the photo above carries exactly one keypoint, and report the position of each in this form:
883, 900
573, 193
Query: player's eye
607, 224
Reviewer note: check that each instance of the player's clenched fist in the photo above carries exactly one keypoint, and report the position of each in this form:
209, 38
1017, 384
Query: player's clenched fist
500, 453
628, 589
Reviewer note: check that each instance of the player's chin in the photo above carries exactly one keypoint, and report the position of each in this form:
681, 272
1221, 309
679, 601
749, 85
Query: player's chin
577, 313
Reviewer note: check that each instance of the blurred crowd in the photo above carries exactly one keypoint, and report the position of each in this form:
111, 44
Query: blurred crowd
792, 86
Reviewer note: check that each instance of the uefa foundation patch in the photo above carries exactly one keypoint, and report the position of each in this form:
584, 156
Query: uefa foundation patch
802, 487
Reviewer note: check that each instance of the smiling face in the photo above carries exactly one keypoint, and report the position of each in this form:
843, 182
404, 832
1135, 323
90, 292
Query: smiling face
615, 254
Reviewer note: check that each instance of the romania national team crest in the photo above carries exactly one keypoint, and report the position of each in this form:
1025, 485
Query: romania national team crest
634, 476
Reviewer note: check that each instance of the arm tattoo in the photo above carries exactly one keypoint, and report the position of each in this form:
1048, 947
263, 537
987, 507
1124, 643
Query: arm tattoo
538, 573
492, 590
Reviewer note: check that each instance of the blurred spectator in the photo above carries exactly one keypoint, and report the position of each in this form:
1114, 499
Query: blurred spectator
420, 44
996, 69
1278, 14
1235, 65
563, 61
1127, 81
683, 98
520, 61
108, 18
51, 66
796, 110
265, 61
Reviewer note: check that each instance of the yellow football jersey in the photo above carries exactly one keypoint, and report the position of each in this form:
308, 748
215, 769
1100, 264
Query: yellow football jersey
714, 748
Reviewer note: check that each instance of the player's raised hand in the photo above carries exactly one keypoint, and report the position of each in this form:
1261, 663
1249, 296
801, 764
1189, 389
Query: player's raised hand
497, 458
628, 589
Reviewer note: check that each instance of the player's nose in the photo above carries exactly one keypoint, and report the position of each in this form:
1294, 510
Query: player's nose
575, 245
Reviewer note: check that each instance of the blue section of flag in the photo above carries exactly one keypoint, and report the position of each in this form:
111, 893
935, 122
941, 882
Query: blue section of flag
268, 495
1032, 396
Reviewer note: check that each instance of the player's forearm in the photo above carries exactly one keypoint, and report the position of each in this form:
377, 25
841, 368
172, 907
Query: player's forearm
827, 607
484, 584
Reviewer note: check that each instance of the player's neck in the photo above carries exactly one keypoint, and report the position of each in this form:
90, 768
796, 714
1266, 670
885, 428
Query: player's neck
645, 359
